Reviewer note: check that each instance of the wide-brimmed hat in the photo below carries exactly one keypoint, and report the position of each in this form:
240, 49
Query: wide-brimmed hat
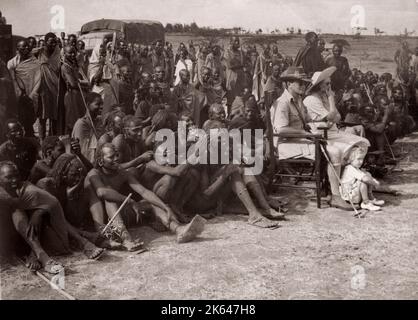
294, 73
320, 76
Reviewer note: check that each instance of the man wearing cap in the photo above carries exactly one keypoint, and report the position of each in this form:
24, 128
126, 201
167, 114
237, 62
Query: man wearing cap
289, 115
309, 57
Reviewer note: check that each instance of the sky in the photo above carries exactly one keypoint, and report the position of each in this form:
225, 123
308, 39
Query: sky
30, 17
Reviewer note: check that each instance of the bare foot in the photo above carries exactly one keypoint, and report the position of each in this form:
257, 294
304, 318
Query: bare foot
33, 263
92, 252
190, 231
262, 222
132, 245
273, 214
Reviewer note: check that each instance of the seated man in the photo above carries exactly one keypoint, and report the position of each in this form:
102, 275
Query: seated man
52, 147
152, 100
130, 145
219, 180
113, 126
375, 121
101, 184
84, 130
237, 107
401, 121
216, 113
29, 207
18, 149
162, 119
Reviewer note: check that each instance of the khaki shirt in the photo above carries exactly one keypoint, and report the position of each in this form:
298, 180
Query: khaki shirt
284, 112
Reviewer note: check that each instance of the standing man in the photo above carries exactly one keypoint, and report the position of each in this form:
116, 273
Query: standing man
25, 71
309, 57
160, 59
49, 58
343, 71
235, 76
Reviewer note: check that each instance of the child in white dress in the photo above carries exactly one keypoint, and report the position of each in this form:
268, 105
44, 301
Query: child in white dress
357, 184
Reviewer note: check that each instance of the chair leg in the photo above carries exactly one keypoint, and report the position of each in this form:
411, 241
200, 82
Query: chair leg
318, 189
318, 175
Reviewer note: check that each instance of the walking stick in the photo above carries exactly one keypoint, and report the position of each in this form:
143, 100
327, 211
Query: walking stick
324, 151
390, 148
88, 111
54, 286
117, 212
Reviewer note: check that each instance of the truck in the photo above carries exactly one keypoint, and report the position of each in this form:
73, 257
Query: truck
143, 32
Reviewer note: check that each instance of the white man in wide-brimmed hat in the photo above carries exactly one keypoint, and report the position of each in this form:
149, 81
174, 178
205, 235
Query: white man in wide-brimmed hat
289, 115
321, 106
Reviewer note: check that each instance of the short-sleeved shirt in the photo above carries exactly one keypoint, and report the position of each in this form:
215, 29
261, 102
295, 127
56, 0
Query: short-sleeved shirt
284, 112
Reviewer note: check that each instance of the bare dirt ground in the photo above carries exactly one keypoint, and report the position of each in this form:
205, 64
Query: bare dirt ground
316, 254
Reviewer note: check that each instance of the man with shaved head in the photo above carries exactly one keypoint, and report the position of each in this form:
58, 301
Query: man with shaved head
343, 71
309, 57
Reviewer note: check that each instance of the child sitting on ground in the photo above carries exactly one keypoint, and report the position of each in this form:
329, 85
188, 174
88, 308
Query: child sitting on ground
357, 184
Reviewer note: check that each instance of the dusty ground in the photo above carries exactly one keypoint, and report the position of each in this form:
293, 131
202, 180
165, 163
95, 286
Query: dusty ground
317, 254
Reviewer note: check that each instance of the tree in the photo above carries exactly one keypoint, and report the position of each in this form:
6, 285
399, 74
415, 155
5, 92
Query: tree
194, 27
186, 28
169, 28
178, 27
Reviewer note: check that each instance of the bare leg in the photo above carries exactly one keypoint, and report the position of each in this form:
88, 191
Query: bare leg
256, 190
62, 227
96, 208
21, 223
163, 186
255, 216
185, 233
364, 192
127, 241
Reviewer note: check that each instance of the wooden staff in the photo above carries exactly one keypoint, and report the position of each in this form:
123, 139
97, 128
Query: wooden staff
117, 212
45, 279
88, 111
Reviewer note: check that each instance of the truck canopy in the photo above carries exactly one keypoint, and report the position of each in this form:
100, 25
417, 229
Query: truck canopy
140, 31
